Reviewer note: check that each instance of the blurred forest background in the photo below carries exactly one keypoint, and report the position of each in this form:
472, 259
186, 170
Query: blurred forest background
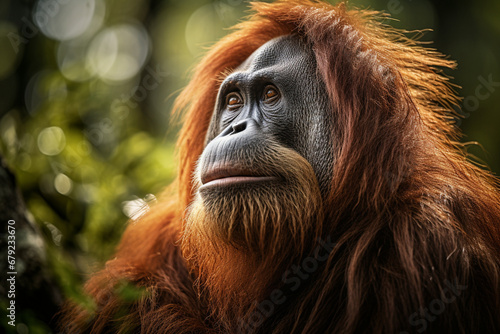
86, 89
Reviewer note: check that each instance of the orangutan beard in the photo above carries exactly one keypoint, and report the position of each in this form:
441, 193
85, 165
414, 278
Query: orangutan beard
240, 240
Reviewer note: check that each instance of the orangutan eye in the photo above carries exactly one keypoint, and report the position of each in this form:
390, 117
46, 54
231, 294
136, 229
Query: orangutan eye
234, 101
271, 95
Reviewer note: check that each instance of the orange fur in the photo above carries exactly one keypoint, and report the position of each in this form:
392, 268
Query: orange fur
407, 210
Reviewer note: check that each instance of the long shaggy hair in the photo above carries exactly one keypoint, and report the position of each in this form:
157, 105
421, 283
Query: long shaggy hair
409, 214
239, 244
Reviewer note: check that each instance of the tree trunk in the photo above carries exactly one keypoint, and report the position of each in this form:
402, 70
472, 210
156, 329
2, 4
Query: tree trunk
26, 279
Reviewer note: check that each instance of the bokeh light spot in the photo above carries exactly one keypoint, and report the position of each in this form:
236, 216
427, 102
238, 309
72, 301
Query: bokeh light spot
51, 141
63, 20
63, 184
72, 54
118, 53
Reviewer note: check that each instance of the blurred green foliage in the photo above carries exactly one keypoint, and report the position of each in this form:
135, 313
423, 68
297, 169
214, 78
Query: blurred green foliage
86, 94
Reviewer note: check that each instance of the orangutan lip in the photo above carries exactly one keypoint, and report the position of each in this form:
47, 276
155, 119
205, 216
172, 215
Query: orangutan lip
225, 181
228, 176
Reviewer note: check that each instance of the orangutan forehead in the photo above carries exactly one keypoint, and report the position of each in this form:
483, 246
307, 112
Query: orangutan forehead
283, 51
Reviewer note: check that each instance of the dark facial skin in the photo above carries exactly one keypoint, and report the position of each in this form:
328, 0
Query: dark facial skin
275, 98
